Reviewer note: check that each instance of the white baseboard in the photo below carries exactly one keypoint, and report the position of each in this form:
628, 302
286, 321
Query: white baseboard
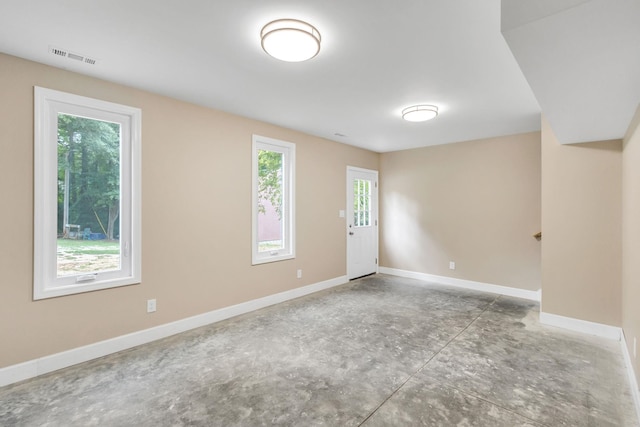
633, 383
582, 326
466, 284
43, 365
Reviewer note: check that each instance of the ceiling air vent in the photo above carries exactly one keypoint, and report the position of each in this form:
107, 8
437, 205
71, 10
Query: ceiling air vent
57, 51
71, 55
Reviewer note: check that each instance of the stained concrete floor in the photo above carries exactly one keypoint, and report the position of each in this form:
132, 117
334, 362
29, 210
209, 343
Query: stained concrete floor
379, 351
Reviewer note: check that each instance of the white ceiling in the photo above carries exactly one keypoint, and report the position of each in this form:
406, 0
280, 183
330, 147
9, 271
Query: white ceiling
377, 57
582, 60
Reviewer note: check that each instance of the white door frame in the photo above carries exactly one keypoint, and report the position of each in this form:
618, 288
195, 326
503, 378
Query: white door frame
349, 216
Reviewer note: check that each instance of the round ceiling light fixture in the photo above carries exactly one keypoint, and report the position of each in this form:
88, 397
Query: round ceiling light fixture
290, 40
420, 113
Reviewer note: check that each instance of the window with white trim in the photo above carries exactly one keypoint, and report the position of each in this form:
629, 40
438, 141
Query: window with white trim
273, 200
86, 194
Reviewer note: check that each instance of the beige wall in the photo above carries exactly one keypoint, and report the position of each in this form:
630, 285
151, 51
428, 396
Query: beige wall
581, 226
476, 203
631, 237
196, 254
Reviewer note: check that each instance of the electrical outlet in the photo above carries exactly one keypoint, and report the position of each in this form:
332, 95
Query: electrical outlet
299, 274
452, 265
151, 305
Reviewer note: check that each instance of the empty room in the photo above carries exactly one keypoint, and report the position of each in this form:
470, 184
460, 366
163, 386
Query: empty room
306, 213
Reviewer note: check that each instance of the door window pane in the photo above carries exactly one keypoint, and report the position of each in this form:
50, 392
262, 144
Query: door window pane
361, 203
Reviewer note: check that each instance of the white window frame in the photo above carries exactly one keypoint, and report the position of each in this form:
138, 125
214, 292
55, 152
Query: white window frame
47, 105
288, 150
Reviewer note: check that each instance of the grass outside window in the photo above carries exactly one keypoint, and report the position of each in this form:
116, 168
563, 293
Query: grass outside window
81, 256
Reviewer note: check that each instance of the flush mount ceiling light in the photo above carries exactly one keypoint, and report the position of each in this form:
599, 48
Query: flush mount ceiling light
290, 40
420, 113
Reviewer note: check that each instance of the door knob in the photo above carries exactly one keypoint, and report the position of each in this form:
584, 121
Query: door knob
351, 233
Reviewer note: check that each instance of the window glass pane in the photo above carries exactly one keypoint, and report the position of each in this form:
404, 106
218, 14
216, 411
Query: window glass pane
270, 201
88, 224
366, 197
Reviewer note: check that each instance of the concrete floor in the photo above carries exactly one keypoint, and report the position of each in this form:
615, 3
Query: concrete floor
379, 351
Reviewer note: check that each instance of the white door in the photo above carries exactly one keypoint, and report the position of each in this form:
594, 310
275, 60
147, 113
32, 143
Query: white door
362, 222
